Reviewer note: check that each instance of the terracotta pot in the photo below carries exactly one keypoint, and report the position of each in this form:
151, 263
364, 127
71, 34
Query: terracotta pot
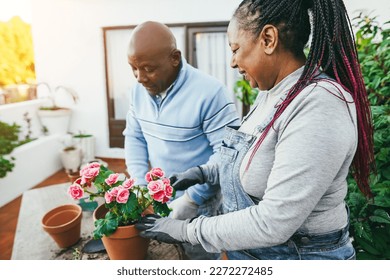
63, 224
73, 176
125, 243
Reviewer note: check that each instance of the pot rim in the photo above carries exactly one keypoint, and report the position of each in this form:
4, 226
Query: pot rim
75, 207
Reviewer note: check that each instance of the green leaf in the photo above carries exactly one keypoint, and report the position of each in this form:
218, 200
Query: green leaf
161, 209
380, 216
105, 227
367, 246
386, 172
381, 239
366, 256
131, 209
382, 201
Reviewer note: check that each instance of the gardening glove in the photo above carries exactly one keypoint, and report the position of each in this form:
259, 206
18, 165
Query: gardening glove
184, 180
183, 208
163, 229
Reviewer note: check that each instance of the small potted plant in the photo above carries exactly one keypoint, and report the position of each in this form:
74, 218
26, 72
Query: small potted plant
54, 118
71, 156
86, 142
125, 204
71, 159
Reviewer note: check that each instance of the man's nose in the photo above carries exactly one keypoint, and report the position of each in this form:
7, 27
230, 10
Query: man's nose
141, 77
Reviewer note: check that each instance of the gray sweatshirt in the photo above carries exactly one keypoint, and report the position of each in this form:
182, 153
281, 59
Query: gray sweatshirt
298, 175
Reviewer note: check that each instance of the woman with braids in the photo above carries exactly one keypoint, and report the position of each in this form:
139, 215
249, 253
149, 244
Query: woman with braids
283, 171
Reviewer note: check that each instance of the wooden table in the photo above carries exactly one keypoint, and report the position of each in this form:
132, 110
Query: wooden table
33, 243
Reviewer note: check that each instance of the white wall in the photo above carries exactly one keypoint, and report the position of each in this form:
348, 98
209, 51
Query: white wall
69, 45
378, 8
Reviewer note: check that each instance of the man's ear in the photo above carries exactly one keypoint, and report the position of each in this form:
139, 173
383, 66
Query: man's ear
269, 38
176, 57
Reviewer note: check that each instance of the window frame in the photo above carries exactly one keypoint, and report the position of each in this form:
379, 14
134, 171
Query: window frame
116, 126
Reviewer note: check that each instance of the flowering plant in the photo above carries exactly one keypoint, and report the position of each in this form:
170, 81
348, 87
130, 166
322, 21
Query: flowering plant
125, 201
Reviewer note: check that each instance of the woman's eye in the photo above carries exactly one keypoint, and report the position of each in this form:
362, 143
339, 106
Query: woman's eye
234, 51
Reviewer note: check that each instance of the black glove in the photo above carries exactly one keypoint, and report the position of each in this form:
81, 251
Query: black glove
183, 181
163, 229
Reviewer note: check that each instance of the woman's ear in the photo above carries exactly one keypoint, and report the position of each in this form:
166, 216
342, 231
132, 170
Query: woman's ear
269, 38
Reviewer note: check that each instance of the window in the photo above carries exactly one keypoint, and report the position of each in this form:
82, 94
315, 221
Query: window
204, 45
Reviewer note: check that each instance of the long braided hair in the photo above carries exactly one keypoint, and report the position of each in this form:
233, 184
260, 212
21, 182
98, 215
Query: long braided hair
332, 51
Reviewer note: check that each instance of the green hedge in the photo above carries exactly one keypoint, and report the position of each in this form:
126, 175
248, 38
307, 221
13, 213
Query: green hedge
370, 219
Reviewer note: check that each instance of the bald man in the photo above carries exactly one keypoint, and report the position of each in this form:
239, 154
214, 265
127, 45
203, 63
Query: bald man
177, 116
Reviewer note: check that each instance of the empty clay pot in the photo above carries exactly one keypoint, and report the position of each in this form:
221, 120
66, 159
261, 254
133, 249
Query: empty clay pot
63, 224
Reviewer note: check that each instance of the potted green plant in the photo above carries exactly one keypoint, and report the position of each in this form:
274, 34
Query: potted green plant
86, 142
54, 118
71, 159
125, 204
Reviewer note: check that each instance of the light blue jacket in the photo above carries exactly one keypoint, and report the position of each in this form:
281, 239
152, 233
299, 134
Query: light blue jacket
182, 132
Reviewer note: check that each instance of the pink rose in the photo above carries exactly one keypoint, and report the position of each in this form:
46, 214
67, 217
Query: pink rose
166, 181
128, 184
123, 195
78, 181
114, 191
159, 196
83, 180
75, 191
156, 186
157, 172
89, 172
112, 179
148, 177
109, 197
168, 191
94, 165
154, 174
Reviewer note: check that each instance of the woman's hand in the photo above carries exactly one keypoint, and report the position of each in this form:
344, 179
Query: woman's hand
184, 180
163, 229
183, 208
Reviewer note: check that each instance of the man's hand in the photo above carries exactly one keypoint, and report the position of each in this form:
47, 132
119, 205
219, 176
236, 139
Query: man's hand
183, 181
163, 229
183, 208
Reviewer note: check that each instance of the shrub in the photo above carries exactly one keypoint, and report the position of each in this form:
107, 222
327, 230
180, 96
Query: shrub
370, 219
9, 140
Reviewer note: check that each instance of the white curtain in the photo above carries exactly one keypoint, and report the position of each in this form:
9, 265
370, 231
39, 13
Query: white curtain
213, 56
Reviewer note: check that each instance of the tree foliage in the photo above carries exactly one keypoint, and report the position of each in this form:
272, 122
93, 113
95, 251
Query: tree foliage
370, 218
16, 52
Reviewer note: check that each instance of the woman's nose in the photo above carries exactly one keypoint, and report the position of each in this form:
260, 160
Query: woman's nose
233, 63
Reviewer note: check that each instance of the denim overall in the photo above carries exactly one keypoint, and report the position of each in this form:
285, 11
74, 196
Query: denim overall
332, 245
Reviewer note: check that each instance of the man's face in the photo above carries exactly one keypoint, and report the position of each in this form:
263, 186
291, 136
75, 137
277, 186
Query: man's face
155, 70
